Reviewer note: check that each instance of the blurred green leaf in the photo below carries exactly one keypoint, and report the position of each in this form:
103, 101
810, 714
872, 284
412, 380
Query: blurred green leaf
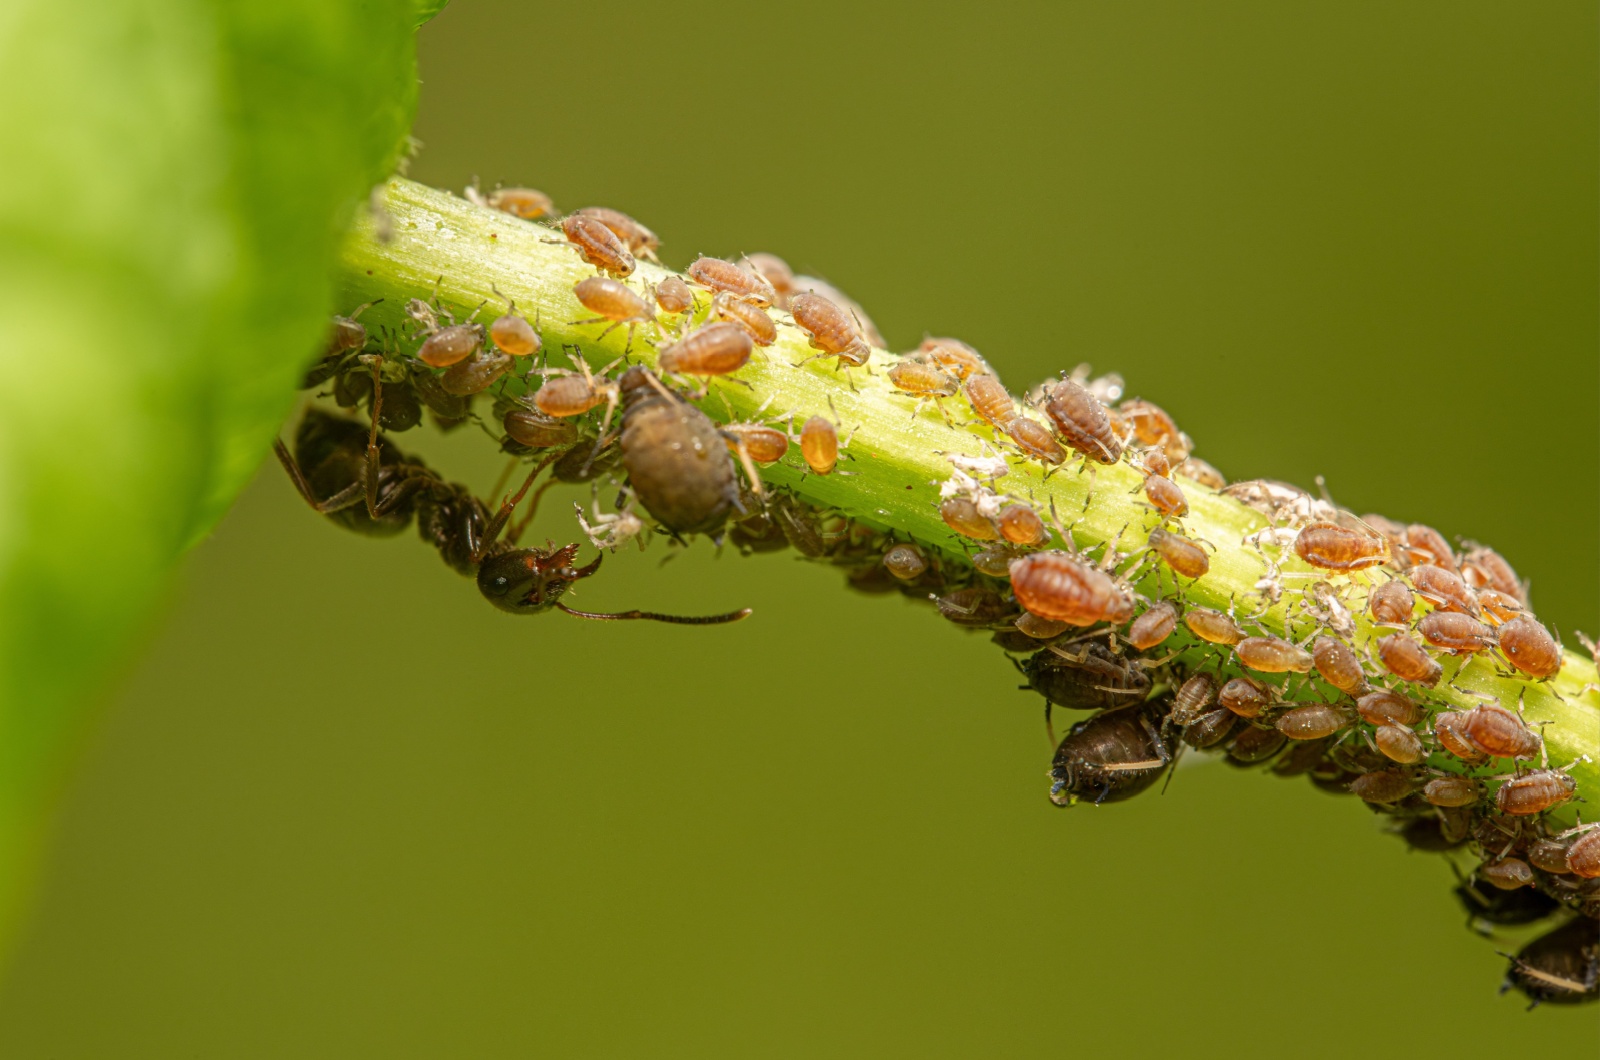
426, 9
177, 173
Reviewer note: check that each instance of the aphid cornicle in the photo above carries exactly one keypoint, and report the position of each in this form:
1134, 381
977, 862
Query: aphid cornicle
1244, 696
1082, 422
1452, 790
638, 239
1334, 547
1154, 626
990, 399
615, 302
1561, 967
1021, 525
1312, 721
1382, 706
1111, 756
1178, 552
599, 245
830, 329
1338, 665
1404, 657
819, 445
763, 331
720, 275
712, 349
1214, 627
1583, 855
1508, 874
676, 461
1272, 655
1391, 604
1529, 647
1443, 588
1498, 733
1455, 632
1055, 585
1399, 744
1534, 792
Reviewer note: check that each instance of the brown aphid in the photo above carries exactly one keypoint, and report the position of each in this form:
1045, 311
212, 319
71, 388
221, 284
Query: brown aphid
674, 296
955, 357
1156, 462
1214, 627
1166, 496
599, 245
830, 329
1507, 874
995, 561
1197, 470
1256, 744
922, 379
1583, 855
763, 330
1529, 647
990, 399
476, 374
347, 332
1399, 744
1150, 423
677, 462
1338, 665
1449, 728
1548, 855
1194, 697
526, 203
819, 445
720, 275
1534, 792
869, 331
1036, 441
1406, 659
1498, 608
1444, 589
1312, 721
1455, 632
712, 349
1484, 568
1453, 791
962, 516
1381, 706
1424, 544
905, 562
775, 271
1391, 604
762, 444
512, 334
1272, 655
573, 395
451, 345
975, 606
1154, 626
1383, 786
1040, 628
1244, 696
1561, 967
1209, 728
1301, 758
534, 429
1055, 585
1021, 525
638, 239
616, 303
1111, 756
1498, 733
1334, 547
1178, 552
1082, 422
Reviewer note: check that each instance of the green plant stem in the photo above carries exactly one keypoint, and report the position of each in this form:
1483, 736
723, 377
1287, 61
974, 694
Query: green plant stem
440, 246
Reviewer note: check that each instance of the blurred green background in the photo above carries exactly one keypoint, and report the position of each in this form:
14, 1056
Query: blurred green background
344, 808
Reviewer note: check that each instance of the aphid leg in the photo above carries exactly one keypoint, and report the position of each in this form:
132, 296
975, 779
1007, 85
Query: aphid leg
600, 438
750, 469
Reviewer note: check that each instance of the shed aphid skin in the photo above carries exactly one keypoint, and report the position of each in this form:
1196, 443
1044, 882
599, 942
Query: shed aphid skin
636, 237
718, 275
763, 330
615, 303
599, 246
529, 204
830, 329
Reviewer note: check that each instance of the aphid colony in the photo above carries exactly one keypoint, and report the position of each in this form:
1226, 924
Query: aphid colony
1352, 706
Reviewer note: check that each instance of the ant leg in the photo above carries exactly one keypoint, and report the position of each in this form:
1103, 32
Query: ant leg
496, 525
652, 616
346, 497
372, 443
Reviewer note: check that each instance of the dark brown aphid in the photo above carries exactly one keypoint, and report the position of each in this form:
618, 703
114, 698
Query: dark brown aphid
638, 239
963, 516
1405, 658
775, 271
762, 444
447, 346
676, 460
830, 329
616, 303
712, 349
990, 400
1455, 632
1498, 733
1391, 604
1084, 677
1256, 744
1082, 422
1178, 552
1484, 568
1506, 873
1110, 757
1583, 855
1529, 647
1055, 585
1334, 547
599, 245
1535, 792
1399, 744
1272, 655
955, 357
1497, 607
348, 333
720, 275
1213, 627
1453, 791
674, 296
763, 331
1548, 855
1152, 426
1040, 628
1424, 544
1449, 729
1444, 589
1561, 967
1210, 728
1338, 665
1383, 786
1244, 696
1198, 470
1312, 721
476, 374
975, 606
1382, 706
534, 429
819, 445
1021, 525
1154, 626
1194, 697
526, 203
1166, 496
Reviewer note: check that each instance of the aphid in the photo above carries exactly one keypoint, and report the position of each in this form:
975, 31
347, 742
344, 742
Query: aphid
611, 530
348, 333
819, 446
1404, 657
1055, 585
1529, 647
534, 429
990, 399
1213, 626
1197, 470
762, 444
512, 334
599, 245
1449, 729
1498, 733
869, 330
1209, 728
476, 374
1452, 790
1082, 422
1156, 462
1455, 632
1561, 967
676, 461
1194, 697
763, 331
1548, 855
995, 561
1444, 589
1154, 626
963, 516
1484, 568
1391, 604
1036, 441
1427, 834
1021, 525
1382, 706
1507, 874
1110, 757
451, 345
830, 329
1334, 547
1040, 628
1084, 677
975, 606
1583, 855
1166, 496
638, 239
720, 275
1497, 607
1312, 721
1338, 665
1399, 744
1152, 426
1534, 792
1244, 696
573, 395
615, 302
674, 296
1383, 786
712, 349
1178, 552
526, 203
775, 271
955, 357
922, 379
1256, 744
1272, 655
1424, 544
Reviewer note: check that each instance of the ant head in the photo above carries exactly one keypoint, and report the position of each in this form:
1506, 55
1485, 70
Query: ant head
526, 581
